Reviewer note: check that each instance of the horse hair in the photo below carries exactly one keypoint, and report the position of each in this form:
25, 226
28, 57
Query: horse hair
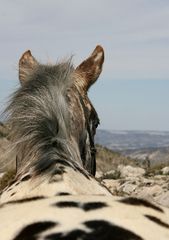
40, 117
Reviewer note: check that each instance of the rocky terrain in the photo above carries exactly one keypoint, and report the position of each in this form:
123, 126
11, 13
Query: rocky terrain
137, 182
125, 176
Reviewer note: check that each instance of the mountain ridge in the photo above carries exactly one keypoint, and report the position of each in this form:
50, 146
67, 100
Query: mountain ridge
132, 139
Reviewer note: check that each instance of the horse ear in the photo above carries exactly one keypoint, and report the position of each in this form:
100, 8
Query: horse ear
26, 65
90, 69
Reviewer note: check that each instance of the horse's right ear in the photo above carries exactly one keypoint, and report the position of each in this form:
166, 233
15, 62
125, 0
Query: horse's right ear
90, 69
27, 63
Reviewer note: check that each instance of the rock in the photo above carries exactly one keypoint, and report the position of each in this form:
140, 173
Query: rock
112, 185
147, 182
165, 186
127, 188
160, 177
165, 171
113, 174
133, 180
99, 174
129, 171
153, 191
163, 199
133, 183
2, 174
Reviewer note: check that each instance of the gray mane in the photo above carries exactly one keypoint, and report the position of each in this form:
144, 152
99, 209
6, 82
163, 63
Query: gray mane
39, 115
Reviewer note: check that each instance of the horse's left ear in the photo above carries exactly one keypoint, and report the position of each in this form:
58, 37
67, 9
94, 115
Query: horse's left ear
90, 69
27, 63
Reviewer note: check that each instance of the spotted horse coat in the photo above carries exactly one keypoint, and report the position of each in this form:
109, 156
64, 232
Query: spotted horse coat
54, 194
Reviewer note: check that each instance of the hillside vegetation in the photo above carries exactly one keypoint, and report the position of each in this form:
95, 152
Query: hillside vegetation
107, 159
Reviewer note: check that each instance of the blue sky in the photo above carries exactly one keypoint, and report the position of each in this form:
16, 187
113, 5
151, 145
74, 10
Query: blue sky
132, 92
133, 104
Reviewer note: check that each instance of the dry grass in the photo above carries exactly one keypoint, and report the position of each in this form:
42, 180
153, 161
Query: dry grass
156, 169
108, 159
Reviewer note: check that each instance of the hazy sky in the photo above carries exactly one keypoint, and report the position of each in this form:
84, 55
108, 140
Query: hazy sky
133, 90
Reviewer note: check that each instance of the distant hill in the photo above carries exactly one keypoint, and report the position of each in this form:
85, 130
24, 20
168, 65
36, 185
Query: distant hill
125, 140
142, 145
155, 155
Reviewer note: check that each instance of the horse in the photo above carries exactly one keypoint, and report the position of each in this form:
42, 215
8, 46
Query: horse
54, 194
